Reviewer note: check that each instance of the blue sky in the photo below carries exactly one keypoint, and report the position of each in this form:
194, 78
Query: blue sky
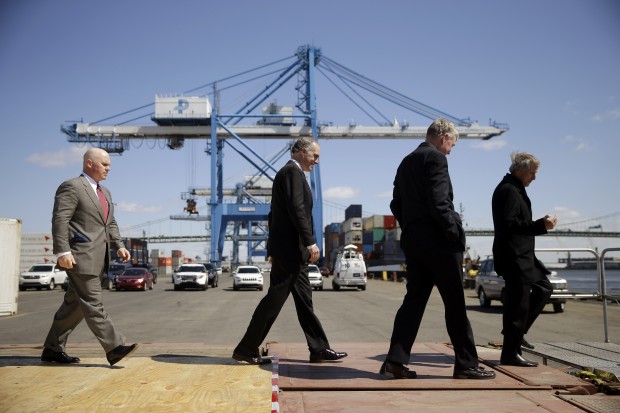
547, 68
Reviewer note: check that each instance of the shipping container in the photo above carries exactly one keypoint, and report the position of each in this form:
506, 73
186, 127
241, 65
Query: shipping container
353, 211
373, 221
352, 224
10, 246
393, 234
354, 237
389, 222
182, 110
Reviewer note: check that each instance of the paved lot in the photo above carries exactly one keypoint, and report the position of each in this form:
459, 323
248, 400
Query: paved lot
220, 316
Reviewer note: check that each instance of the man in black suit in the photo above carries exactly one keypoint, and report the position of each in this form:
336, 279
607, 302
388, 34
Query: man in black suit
433, 241
290, 246
527, 287
83, 229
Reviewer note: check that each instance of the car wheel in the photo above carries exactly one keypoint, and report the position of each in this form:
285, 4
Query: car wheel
335, 286
235, 288
217, 282
260, 288
559, 307
321, 288
118, 288
52, 285
204, 287
363, 288
22, 288
484, 300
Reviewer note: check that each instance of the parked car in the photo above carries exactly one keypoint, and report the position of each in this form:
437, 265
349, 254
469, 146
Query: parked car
248, 276
315, 277
134, 278
150, 268
191, 276
214, 276
490, 286
42, 276
108, 279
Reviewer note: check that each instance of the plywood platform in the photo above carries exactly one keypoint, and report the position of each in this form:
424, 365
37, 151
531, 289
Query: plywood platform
198, 377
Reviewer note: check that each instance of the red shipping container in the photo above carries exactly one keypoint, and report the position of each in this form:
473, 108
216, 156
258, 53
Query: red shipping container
389, 222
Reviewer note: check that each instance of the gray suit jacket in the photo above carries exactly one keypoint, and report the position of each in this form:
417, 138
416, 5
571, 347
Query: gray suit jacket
78, 226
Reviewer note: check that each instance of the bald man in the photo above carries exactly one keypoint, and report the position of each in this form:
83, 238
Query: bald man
83, 230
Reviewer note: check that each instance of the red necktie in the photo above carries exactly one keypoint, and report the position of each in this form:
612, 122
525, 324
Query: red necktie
104, 203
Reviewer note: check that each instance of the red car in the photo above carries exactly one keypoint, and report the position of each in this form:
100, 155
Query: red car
135, 279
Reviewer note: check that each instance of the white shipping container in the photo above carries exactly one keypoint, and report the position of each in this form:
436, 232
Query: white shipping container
372, 222
354, 223
354, 237
10, 245
41, 238
182, 107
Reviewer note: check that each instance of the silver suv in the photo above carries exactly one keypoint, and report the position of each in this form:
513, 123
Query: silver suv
490, 286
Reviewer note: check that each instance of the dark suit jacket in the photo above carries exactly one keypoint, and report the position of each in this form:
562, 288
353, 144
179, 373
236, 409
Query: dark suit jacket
422, 202
290, 218
78, 226
513, 245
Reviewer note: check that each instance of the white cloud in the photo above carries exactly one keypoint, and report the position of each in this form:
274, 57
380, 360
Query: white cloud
340, 192
566, 214
609, 115
580, 144
59, 159
135, 207
386, 194
490, 145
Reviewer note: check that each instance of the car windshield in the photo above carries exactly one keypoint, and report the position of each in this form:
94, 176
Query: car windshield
246, 270
193, 268
41, 268
313, 268
134, 271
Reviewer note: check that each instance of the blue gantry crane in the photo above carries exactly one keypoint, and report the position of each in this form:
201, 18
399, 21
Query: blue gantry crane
188, 116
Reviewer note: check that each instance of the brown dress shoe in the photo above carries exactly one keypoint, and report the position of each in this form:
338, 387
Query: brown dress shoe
396, 371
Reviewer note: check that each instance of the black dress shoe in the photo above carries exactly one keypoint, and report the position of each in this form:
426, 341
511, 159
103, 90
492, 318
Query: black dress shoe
525, 344
326, 355
517, 360
396, 371
258, 360
119, 353
58, 357
475, 373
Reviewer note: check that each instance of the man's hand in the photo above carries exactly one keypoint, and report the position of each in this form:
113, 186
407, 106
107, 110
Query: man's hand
66, 261
550, 222
123, 254
314, 253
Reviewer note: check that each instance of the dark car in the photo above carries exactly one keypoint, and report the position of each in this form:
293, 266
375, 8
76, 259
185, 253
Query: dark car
108, 280
134, 278
214, 275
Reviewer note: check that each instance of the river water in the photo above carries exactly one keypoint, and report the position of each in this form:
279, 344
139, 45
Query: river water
586, 281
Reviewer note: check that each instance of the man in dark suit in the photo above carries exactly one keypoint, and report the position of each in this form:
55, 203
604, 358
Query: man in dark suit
433, 241
527, 287
291, 245
83, 229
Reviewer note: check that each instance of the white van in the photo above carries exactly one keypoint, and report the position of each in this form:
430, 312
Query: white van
350, 269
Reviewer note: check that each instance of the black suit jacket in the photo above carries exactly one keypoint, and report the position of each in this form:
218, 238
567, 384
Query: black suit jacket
514, 244
290, 219
422, 202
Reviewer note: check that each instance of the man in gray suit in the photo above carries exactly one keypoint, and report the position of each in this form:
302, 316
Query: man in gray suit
83, 229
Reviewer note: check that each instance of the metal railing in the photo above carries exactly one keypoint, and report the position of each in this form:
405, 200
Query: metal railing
600, 271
